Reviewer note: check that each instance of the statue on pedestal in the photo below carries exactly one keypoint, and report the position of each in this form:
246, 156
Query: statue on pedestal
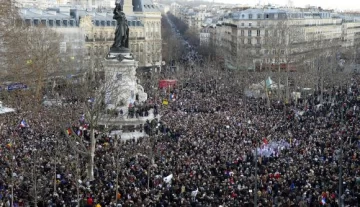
121, 41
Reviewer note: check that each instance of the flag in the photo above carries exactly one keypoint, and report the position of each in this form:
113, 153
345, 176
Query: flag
168, 178
82, 118
265, 141
68, 131
85, 127
292, 186
323, 201
194, 193
165, 102
79, 132
23, 124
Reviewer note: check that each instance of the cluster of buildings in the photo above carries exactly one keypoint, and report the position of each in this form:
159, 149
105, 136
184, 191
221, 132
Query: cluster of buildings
88, 32
266, 36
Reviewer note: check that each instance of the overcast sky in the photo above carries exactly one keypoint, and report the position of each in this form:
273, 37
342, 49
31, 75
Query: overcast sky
326, 4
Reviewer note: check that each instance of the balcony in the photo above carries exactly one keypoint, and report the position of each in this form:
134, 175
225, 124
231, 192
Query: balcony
98, 39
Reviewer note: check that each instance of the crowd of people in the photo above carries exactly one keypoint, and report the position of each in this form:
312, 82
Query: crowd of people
207, 150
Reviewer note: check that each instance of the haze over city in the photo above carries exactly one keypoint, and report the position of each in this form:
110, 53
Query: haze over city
327, 4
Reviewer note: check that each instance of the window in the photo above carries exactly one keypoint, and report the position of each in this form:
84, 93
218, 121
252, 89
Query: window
97, 23
108, 23
258, 41
28, 22
119, 77
103, 23
243, 16
51, 23
72, 23
242, 32
89, 51
258, 33
249, 24
249, 33
58, 23
249, 41
282, 52
43, 22
36, 22
242, 24
259, 16
267, 16
250, 16
65, 23
113, 23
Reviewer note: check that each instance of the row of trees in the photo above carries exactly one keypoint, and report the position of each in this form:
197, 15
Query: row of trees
31, 55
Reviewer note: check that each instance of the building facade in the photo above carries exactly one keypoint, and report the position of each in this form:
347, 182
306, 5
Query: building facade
205, 36
97, 29
256, 38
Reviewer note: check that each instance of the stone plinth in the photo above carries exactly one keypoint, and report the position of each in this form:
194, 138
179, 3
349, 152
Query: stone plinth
120, 80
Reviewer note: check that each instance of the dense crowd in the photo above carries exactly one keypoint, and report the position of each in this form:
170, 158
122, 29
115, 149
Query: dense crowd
201, 153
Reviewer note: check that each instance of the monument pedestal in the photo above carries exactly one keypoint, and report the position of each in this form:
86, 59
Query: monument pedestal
122, 87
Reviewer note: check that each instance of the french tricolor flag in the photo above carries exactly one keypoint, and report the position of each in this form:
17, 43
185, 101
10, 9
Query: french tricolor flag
23, 124
323, 201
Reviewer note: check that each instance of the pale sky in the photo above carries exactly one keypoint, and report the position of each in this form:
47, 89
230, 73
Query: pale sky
326, 4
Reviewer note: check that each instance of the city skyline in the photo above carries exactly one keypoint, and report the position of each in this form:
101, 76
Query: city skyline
326, 4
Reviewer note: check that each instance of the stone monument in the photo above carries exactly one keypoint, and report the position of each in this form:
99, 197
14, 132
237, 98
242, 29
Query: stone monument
120, 67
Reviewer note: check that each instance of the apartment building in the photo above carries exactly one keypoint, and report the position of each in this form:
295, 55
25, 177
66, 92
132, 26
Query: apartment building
255, 38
